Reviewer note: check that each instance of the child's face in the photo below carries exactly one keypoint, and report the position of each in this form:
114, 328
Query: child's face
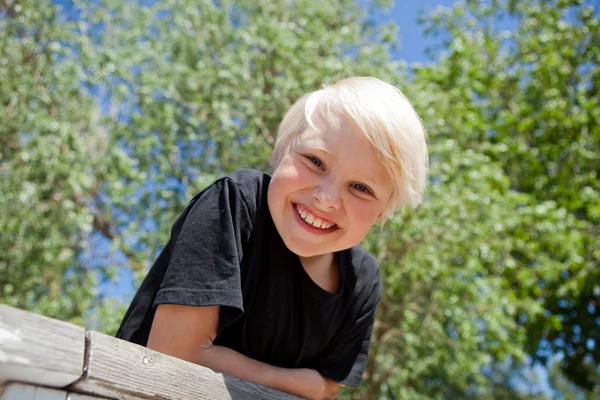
328, 190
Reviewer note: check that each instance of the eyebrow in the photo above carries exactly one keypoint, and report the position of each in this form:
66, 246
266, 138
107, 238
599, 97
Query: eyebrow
317, 147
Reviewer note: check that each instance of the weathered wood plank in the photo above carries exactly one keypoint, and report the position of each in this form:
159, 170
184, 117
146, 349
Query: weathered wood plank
239, 389
46, 352
79, 396
38, 349
18, 391
42, 393
25, 391
22, 391
119, 369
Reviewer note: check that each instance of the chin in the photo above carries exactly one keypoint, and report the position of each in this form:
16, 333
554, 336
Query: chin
302, 251
305, 249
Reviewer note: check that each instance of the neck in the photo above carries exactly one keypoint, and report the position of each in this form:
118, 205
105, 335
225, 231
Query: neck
323, 270
320, 262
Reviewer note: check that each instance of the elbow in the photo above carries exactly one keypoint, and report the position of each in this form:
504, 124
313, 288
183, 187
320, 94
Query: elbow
198, 353
204, 353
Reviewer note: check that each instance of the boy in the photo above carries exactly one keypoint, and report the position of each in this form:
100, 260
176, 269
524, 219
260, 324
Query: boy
263, 278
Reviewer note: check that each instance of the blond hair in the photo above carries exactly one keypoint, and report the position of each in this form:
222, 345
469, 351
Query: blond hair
386, 118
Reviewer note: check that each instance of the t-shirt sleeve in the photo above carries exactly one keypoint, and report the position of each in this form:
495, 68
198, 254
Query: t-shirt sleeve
347, 356
204, 267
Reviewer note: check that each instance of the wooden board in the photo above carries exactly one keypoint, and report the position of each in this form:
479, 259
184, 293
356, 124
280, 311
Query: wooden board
46, 352
118, 369
22, 391
18, 391
39, 350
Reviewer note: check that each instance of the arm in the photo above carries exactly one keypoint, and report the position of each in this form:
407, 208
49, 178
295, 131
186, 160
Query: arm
188, 333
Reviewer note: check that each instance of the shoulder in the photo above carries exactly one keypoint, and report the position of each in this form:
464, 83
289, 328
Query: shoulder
363, 270
252, 184
363, 263
248, 185
241, 193
246, 177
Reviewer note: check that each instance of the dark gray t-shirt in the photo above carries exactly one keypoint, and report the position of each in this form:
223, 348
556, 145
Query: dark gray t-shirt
224, 250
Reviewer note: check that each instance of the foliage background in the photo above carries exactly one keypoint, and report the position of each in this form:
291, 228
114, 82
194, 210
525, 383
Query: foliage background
113, 114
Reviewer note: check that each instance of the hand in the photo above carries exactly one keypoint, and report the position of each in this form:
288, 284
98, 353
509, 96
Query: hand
316, 386
330, 390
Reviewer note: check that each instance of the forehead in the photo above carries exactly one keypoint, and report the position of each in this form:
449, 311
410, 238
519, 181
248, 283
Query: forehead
337, 135
332, 129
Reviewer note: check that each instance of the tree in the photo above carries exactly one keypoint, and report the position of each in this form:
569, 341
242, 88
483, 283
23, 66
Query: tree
501, 259
47, 148
529, 101
565, 389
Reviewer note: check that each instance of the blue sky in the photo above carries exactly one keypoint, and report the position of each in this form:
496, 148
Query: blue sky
412, 42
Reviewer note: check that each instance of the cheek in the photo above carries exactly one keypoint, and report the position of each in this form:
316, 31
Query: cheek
295, 175
286, 180
364, 212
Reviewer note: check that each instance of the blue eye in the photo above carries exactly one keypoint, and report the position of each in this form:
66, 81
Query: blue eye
315, 161
360, 187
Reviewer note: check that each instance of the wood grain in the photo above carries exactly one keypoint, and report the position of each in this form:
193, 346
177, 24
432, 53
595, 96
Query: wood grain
90, 365
119, 369
22, 391
38, 349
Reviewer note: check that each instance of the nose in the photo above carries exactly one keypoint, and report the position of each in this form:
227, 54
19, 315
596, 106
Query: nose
327, 195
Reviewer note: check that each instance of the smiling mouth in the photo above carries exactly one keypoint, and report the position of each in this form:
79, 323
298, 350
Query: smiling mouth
313, 220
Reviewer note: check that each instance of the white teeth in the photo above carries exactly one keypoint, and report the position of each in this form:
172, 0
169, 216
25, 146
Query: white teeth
313, 220
302, 213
